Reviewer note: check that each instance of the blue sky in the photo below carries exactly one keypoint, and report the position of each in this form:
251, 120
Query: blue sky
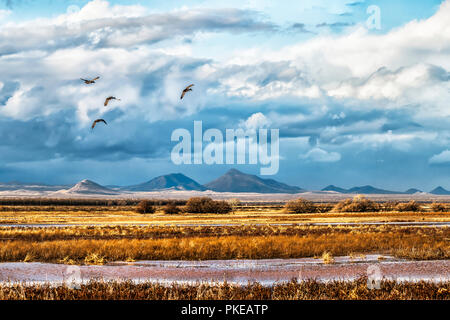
354, 105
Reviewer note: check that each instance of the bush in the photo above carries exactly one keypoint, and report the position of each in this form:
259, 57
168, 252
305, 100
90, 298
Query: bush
390, 206
411, 206
207, 205
324, 207
300, 206
171, 208
357, 204
234, 203
438, 207
145, 206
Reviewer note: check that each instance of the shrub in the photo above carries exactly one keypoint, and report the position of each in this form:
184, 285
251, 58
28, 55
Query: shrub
300, 206
438, 207
357, 204
390, 206
171, 208
234, 203
145, 206
207, 205
324, 207
411, 206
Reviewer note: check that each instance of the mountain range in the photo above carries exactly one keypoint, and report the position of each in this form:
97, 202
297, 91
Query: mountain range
233, 181
361, 190
373, 190
369, 190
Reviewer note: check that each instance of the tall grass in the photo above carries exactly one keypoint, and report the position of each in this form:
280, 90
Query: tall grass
159, 232
210, 247
307, 290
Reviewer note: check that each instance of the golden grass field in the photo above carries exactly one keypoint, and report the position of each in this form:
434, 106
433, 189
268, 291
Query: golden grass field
243, 215
99, 244
101, 234
114, 233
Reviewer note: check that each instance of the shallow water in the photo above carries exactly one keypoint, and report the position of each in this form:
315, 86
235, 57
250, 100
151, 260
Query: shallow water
266, 272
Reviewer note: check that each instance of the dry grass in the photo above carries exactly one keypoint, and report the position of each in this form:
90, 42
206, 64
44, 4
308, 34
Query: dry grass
162, 232
327, 258
243, 215
308, 290
205, 243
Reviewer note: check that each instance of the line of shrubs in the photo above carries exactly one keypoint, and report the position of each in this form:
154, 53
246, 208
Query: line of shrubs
360, 204
193, 205
357, 204
83, 202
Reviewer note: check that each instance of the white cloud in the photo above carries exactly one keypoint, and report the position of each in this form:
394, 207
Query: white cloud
443, 157
256, 121
407, 66
100, 24
320, 155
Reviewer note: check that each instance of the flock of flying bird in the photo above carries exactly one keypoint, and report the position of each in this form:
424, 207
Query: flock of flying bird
92, 81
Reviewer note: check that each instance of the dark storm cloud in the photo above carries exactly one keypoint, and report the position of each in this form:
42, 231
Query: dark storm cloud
57, 136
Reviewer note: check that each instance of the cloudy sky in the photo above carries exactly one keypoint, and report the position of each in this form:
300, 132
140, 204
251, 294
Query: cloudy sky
354, 104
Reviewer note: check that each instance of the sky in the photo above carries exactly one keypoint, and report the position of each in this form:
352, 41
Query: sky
359, 90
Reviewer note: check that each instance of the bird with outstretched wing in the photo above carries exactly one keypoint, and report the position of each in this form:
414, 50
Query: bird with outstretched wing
90, 81
109, 99
97, 121
187, 89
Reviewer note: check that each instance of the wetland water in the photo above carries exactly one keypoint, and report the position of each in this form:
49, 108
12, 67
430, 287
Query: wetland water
266, 272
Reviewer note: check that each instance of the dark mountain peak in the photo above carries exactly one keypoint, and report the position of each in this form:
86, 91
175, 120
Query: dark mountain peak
368, 189
177, 181
335, 189
236, 181
440, 191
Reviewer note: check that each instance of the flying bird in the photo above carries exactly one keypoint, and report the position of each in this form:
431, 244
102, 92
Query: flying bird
87, 81
97, 121
187, 89
109, 99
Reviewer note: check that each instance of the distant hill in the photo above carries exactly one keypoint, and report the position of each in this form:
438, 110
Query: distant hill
440, 191
413, 191
39, 187
335, 189
237, 181
360, 190
90, 187
176, 181
371, 190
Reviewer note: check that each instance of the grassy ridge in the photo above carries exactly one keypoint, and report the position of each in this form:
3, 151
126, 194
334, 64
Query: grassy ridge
354, 290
